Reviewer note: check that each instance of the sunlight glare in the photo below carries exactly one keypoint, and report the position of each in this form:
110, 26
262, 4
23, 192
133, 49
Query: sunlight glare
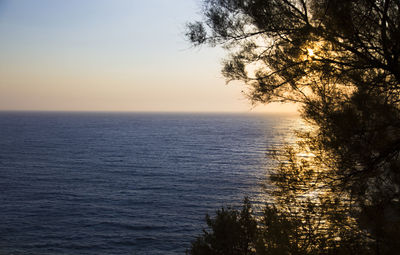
310, 52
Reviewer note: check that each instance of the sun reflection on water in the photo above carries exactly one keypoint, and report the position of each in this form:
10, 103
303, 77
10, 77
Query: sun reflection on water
286, 134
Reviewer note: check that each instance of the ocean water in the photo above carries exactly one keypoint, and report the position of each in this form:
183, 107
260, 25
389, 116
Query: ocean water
102, 183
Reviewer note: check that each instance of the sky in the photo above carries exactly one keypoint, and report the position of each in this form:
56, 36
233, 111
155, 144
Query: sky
111, 55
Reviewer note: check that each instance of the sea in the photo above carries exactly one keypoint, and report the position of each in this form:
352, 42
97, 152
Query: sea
127, 183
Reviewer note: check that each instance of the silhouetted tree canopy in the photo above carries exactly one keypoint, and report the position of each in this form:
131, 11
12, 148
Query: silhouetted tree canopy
232, 232
289, 50
340, 60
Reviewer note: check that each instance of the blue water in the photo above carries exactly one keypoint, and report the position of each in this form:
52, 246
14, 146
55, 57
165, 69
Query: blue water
101, 183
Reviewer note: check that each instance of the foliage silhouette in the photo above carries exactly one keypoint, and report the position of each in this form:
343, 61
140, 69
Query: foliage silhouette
233, 232
340, 61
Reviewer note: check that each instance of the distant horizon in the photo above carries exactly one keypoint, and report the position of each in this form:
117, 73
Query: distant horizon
153, 112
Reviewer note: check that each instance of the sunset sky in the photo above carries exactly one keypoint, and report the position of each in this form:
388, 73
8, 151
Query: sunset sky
110, 55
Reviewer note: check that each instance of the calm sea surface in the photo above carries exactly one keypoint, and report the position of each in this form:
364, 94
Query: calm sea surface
101, 183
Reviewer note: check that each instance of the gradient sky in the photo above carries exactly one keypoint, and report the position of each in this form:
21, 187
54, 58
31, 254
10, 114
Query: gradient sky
110, 55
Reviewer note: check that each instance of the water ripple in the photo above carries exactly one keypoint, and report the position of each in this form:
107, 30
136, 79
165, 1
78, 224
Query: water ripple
125, 183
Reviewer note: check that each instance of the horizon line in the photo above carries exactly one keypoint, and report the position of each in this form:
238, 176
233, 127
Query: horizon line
150, 112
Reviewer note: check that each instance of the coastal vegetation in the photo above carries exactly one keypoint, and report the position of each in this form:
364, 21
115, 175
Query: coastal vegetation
337, 190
